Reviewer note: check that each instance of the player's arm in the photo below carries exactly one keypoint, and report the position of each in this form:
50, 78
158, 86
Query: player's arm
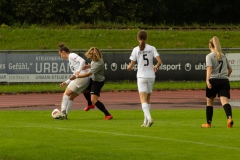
229, 71
208, 73
86, 67
131, 65
81, 65
159, 62
81, 75
63, 84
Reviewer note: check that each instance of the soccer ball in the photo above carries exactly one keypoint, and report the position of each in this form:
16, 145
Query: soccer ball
55, 113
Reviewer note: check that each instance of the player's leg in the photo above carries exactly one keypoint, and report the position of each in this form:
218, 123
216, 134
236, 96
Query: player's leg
224, 94
145, 108
142, 89
65, 99
87, 96
95, 94
90, 105
210, 95
209, 111
74, 88
149, 91
70, 102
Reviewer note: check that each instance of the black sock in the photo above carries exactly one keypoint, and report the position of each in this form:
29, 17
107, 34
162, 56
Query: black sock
102, 108
228, 110
88, 98
209, 114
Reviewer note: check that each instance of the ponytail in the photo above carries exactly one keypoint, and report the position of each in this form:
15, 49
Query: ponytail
142, 37
216, 47
142, 45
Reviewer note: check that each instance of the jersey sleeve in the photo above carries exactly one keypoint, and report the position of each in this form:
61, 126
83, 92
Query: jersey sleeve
208, 61
133, 56
82, 63
95, 67
228, 64
155, 52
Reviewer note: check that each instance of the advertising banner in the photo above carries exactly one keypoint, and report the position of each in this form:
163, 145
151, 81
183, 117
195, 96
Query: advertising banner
37, 68
3, 67
234, 60
51, 68
177, 67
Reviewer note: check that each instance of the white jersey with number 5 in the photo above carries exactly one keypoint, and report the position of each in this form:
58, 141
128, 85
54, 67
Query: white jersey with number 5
145, 60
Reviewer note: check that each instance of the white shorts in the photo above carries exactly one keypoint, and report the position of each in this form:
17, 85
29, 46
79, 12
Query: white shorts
79, 85
145, 84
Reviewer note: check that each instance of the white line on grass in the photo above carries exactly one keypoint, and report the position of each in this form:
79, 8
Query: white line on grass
130, 135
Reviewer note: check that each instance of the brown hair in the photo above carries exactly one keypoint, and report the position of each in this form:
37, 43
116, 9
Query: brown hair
142, 37
94, 54
216, 47
62, 47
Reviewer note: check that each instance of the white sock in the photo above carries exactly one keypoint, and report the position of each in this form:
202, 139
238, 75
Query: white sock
145, 117
146, 110
64, 104
69, 106
145, 120
149, 106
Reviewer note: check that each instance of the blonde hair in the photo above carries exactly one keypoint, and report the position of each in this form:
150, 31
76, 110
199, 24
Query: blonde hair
94, 54
216, 47
142, 36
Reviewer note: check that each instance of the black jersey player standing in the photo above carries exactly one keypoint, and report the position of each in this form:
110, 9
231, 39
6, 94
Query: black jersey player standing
218, 71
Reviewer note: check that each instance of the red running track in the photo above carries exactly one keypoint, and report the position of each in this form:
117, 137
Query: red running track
112, 100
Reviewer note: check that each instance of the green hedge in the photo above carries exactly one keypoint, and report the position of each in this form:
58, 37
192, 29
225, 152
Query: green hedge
177, 12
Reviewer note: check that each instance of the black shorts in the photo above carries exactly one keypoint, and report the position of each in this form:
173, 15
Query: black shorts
95, 87
220, 87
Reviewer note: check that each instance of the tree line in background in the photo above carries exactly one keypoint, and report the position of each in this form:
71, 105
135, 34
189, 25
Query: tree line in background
174, 12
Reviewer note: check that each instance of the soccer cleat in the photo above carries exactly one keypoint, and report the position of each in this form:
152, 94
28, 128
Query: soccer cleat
229, 123
89, 107
62, 116
206, 125
108, 117
144, 125
150, 122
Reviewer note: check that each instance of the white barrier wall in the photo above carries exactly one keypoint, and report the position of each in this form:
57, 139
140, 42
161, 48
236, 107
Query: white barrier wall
234, 60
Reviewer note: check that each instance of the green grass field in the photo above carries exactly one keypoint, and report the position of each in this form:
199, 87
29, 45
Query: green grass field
175, 134
39, 38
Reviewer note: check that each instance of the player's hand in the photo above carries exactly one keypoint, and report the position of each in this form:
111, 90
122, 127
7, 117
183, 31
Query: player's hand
209, 85
73, 77
77, 73
155, 69
129, 68
63, 84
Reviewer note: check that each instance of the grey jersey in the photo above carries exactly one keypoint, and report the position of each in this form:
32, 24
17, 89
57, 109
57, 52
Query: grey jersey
219, 67
97, 70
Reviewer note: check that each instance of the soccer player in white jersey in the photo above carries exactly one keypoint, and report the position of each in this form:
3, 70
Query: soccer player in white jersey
75, 87
144, 55
218, 71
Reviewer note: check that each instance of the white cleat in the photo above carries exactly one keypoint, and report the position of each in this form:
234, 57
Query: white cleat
150, 122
